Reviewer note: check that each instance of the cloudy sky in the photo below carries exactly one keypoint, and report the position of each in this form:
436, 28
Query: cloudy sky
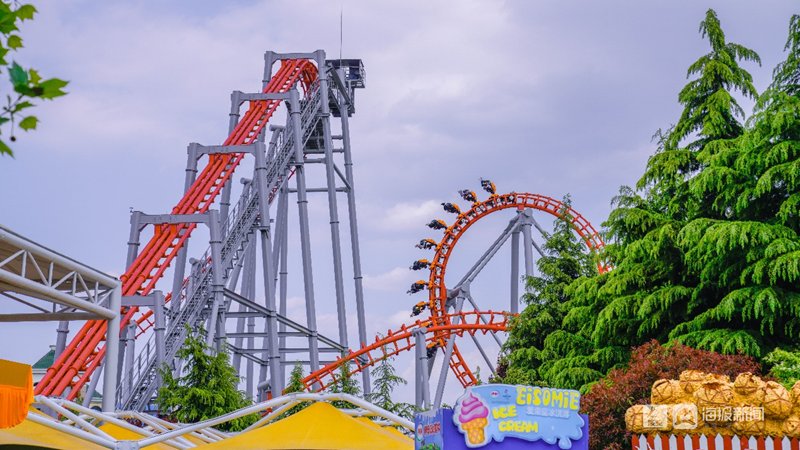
547, 97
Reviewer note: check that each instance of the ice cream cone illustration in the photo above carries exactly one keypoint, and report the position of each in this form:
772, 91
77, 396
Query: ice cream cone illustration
472, 419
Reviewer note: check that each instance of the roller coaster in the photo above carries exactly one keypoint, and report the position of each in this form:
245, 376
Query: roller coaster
217, 293
442, 326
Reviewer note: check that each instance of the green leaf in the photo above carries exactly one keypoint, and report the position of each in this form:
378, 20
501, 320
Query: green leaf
21, 105
8, 23
5, 149
25, 12
28, 123
18, 75
52, 88
34, 76
28, 91
14, 42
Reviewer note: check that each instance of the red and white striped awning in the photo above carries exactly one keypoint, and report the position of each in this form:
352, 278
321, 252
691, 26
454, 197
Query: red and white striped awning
701, 442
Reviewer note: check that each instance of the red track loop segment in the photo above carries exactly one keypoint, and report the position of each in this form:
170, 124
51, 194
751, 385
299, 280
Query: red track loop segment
86, 350
479, 210
520, 201
440, 325
402, 340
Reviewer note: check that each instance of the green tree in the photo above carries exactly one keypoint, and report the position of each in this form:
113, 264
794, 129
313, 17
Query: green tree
711, 115
710, 110
26, 85
661, 279
748, 257
207, 390
295, 385
345, 383
654, 285
565, 259
385, 380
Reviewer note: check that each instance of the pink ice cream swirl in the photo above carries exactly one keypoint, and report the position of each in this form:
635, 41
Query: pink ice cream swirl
472, 408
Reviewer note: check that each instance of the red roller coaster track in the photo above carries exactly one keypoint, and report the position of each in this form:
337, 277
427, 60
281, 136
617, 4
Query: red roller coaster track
440, 324
82, 356
84, 353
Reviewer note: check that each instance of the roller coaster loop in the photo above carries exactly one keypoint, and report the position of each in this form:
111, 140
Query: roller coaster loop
440, 325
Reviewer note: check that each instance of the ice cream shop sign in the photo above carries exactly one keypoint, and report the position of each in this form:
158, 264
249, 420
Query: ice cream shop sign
497, 411
502, 416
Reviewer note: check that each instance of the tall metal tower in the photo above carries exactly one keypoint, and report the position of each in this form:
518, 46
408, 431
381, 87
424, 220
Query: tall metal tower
237, 290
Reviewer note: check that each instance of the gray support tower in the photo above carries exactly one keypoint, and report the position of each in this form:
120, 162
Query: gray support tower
220, 291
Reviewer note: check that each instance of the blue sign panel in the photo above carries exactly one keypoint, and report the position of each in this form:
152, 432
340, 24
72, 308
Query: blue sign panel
494, 412
428, 435
454, 440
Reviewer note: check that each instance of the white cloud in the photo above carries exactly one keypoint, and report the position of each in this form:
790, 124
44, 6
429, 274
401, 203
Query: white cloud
408, 216
392, 281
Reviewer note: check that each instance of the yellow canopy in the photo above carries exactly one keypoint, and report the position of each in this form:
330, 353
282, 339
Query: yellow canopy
387, 428
318, 427
31, 433
123, 434
16, 392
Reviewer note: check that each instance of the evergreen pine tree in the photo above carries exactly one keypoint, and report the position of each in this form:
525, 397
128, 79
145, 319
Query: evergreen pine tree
295, 385
748, 260
653, 285
385, 380
345, 384
656, 283
207, 390
565, 259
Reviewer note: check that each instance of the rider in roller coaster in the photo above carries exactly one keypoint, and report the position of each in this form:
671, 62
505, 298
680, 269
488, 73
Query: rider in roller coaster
418, 308
432, 347
468, 195
426, 244
417, 286
420, 264
437, 224
488, 186
451, 208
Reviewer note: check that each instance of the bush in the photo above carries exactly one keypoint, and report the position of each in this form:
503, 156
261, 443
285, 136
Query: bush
785, 366
610, 397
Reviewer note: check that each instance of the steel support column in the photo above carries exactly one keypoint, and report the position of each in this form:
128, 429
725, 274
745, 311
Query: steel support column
215, 328
527, 244
354, 242
248, 264
305, 239
273, 355
159, 328
422, 384
130, 349
333, 209
180, 260
283, 280
111, 366
225, 200
133, 252
61, 338
515, 271
87, 399
448, 353
134, 237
